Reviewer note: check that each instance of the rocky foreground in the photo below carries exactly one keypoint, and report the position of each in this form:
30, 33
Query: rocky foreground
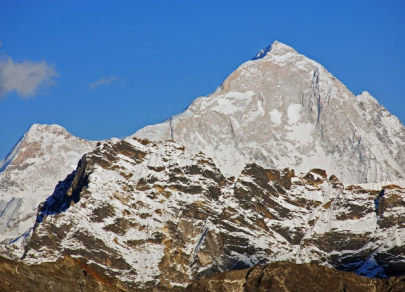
151, 214
70, 274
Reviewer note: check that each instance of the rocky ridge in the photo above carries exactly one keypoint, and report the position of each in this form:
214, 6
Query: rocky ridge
153, 214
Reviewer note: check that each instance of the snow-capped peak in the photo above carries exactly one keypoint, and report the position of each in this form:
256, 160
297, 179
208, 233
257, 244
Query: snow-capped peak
35, 133
285, 110
276, 47
39, 131
44, 155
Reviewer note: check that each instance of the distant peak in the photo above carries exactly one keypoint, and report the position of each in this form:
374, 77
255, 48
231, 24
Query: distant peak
35, 133
276, 47
38, 130
45, 128
280, 46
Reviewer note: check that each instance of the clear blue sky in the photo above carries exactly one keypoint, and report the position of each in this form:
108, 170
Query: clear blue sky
116, 68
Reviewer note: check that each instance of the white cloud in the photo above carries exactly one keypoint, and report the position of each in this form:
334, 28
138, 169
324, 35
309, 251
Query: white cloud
1, 43
103, 81
26, 78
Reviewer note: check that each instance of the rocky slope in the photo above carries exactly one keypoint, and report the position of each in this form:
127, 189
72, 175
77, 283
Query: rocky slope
289, 277
45, 155
69, 274
65, 275
155, 214
281, 110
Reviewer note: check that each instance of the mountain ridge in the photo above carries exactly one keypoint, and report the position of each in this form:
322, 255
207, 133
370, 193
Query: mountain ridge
153, 213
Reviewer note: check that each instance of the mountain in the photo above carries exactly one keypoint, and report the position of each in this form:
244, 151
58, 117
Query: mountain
154, 214
28, 175
281, 109
255, 174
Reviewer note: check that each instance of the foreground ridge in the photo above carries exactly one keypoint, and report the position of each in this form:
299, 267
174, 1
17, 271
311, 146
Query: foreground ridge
69, 274
289, 277
155, 214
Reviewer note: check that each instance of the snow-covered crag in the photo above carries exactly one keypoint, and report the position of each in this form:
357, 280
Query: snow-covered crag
45, 155
282, 109
155, 214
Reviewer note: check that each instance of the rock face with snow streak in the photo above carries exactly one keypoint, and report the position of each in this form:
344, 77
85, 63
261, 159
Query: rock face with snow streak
156, 214
28, 175
282, 109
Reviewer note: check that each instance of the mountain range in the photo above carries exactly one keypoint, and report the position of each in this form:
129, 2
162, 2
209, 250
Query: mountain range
274, 166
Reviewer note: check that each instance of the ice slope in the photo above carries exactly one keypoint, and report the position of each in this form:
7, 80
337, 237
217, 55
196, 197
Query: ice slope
282, 109
45, 155
154, 213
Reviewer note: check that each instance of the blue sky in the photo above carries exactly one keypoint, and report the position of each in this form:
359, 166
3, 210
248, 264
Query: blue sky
101, 70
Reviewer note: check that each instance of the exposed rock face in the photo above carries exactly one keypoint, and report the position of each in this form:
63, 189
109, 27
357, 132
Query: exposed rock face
154, 214
69, 274
281, 110
28, 175
65, 275
289, 277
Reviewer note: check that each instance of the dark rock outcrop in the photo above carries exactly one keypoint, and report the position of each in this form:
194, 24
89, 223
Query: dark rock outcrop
289, 277
68, 274
65, 275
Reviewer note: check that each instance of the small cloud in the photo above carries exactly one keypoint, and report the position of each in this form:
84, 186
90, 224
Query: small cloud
25, 78
103, 81
1, 43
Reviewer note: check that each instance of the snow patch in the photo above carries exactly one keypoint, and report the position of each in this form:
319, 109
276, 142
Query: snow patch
293, 113
301, 133
275, 116
233, 102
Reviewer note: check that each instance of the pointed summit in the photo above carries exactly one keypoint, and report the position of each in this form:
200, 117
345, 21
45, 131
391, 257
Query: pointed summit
38, 134
286, 110
40, 131
276, 47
